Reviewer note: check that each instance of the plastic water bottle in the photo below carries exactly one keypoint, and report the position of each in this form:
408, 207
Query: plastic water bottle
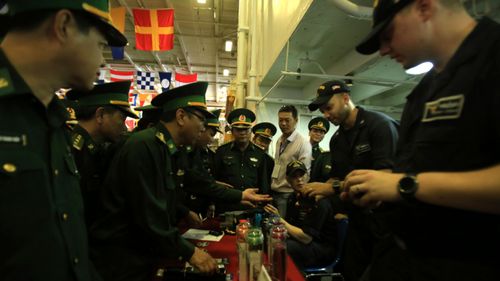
255, 241
241, 245
278, 253
273, 221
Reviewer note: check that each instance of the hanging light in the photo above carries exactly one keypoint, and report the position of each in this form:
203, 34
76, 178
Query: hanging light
225, 72
229, 46
420, 69
202, 1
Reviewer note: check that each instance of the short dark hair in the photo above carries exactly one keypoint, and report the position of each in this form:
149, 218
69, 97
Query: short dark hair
31, 19
85, 113
289, 108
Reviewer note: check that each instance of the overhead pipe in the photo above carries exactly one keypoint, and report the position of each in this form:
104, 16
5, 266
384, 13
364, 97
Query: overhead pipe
380, 82
242, 51
354, 10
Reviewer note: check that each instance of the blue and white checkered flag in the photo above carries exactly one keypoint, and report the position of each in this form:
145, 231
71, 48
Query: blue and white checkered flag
145, 80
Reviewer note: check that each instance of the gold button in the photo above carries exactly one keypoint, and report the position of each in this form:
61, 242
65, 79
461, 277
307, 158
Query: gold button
9, 167
180, 258
65, 216
56, 172
76, 260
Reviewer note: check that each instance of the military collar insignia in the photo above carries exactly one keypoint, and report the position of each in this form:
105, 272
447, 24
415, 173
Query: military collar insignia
6, 85
180, 172
171, 146
161, 137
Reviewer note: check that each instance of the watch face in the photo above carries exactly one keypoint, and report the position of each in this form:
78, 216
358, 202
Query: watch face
407, 184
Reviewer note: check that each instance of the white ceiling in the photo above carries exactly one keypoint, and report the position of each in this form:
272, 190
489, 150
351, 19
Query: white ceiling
200, 32
321, 46
325, 40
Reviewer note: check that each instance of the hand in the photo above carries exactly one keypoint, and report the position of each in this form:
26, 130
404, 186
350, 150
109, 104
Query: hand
250, 194
203, 262
318, 188
247, 203
271, 209
193, 220
366, 188
226, 185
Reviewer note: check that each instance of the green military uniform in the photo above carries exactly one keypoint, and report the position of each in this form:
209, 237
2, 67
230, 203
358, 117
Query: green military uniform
92, 158
264, 130
141, 195
202, 159
322, 124
250, 168
320, 172
150, 116
42, 230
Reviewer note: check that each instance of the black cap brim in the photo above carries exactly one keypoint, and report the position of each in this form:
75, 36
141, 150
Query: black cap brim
114, 37
371, 43
205, 112
128, 112
319, 101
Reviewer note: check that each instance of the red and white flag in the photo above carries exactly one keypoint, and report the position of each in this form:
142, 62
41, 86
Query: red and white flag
119, 75
183, 79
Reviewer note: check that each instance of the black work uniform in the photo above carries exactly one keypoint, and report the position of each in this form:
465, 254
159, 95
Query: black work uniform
251, 168
451, 122
316, 219
140, 199
42, 228
369, 144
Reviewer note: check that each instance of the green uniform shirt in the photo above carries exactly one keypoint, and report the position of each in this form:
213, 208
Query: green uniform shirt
320, 171
200, 187
42, 230
316, 152
141, 201
90, 160
244, 169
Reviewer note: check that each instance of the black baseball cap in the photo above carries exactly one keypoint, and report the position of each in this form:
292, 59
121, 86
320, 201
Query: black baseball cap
294, 166
326, 91
383, 13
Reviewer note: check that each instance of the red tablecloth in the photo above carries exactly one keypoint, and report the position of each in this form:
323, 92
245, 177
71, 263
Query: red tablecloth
226, 248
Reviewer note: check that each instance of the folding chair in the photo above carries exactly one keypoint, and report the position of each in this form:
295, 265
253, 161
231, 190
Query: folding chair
327, 271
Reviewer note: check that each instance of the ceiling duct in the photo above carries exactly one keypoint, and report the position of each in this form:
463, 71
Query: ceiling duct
354, 10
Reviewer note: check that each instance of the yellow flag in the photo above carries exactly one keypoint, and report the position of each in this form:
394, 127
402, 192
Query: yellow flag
118, 18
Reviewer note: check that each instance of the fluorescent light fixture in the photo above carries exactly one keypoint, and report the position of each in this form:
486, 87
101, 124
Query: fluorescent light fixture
229, 46
225, 72
202, 1
420, 69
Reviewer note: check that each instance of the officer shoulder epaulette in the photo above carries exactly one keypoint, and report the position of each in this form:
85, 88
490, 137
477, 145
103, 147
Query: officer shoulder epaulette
78, 141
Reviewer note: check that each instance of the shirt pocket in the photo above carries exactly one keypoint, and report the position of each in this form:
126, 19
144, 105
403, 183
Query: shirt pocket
228, 161
24, 191
362, 155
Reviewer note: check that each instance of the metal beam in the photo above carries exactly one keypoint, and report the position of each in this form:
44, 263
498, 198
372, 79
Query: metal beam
181, 41
373, 81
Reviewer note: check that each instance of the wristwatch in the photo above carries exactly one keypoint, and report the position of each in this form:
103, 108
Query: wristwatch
336, 186
407, 187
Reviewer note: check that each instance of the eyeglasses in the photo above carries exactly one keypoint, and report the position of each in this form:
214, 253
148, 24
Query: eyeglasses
193, 112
